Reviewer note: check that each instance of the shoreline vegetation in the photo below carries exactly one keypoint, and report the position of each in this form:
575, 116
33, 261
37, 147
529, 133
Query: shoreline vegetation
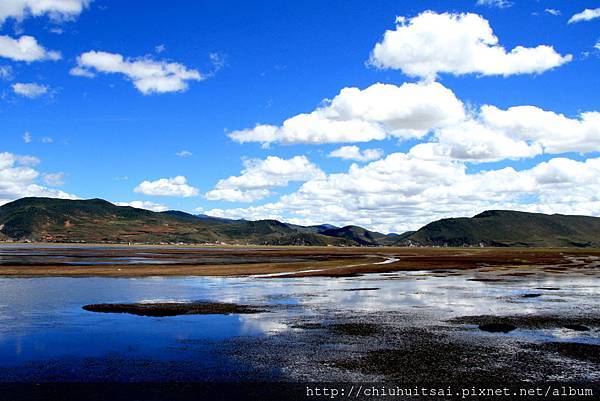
279, 261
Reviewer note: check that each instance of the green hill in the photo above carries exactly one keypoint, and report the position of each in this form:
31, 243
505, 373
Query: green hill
356, 234
509, 228
96, 220
99, 221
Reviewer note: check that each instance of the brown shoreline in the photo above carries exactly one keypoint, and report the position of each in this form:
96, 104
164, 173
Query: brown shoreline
296, 261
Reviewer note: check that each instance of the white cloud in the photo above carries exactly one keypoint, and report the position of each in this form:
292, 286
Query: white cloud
413, 110
354, 153
81, 72
259, 176
155, 207
148, 76
26, 48
6, 72
552, 11
474, 141
375, 113
403, 192
517, 132
17, 179
184, 153
459, 44
555, 132
30, 90
597, 45
28, 138
237, 195
9, 159
57, 10
495, 3
586, 15
176, 186
54, 179
217, 60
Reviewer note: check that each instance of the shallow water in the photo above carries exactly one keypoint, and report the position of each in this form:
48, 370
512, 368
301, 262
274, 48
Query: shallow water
41, 320
33, 255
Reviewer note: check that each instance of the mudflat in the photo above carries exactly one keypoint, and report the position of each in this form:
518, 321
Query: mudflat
162, 309
138, 261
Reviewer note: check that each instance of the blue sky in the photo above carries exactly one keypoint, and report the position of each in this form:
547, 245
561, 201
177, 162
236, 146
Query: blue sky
263, 62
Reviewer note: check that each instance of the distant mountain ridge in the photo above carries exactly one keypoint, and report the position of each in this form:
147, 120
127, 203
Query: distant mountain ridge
509, 228
99, 221
357, 234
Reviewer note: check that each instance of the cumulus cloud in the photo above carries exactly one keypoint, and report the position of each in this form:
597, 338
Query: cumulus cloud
555, 132
402, 192
413, 110
58, 10
176, 186
473, 141
155, 207
586, 15
29, 90
354, 153
26, 49
518, 132
27, 138
431, 43
375, 113
18, 177
148, 75
259, 176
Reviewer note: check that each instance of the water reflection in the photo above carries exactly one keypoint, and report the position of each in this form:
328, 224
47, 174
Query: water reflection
41, 318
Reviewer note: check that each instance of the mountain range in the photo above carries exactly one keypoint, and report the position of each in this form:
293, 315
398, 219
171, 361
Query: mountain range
99, 221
